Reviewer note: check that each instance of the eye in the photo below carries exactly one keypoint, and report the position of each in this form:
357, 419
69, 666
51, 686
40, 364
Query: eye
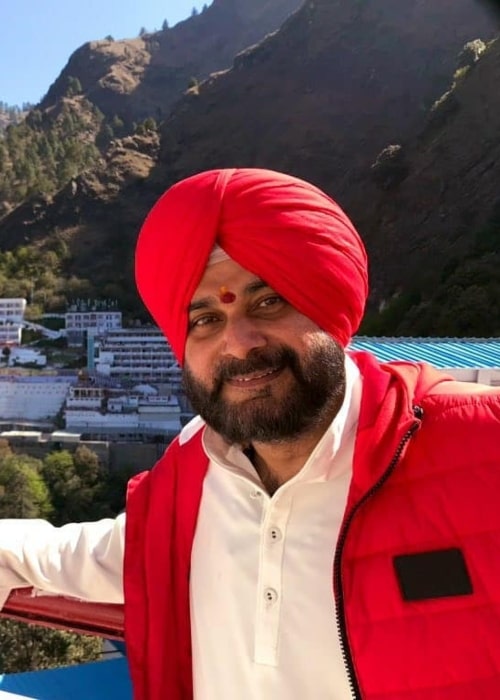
205, 321
270, 301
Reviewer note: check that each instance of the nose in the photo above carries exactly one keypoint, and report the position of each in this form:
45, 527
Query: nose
241, 335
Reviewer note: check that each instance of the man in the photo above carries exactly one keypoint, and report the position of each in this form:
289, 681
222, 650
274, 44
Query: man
328, 527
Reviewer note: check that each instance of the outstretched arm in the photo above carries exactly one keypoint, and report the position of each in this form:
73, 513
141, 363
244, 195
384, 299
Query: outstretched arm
82, 560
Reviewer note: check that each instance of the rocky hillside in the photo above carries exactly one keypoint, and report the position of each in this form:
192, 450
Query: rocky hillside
113, 89
142, 77
434, 233
321, 98
10, 114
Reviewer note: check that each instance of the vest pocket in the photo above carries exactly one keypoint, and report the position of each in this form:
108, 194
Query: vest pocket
439, 573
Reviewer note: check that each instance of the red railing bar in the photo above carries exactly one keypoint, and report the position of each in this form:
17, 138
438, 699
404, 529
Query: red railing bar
71, 614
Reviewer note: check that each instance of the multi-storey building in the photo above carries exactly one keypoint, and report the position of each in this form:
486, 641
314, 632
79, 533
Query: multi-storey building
104, 413
86, 318
11, 319
12, 310
138, 355
10, 333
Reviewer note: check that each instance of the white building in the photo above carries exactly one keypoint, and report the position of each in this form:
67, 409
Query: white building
10, 333
12, 310
27, 356
27, 399
107, 413
84, 319
139, 355
11, 319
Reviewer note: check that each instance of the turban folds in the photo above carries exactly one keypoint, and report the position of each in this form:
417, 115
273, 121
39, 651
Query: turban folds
282, 229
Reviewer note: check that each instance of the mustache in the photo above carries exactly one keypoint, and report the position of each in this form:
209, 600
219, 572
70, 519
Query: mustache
257, 360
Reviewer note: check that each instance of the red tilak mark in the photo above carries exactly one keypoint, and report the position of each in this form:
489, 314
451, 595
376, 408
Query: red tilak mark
226, 296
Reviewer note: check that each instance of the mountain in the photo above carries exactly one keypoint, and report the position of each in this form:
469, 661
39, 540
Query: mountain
11, 114
435, 234
113, 89
142, 77
339, 82
320, 98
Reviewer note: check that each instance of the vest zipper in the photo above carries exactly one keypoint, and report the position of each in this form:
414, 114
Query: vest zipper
337, 578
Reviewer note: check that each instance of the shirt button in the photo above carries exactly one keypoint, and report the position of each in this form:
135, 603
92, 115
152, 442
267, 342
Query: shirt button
271, 596
255, 494
275, 534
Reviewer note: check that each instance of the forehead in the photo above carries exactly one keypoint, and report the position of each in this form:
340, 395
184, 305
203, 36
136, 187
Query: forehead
227, 273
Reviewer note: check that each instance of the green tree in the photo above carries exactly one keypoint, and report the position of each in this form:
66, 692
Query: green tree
74, 86
58, 471
23, 492
24, 647
150, 124
28, 647
76, 483
117, 124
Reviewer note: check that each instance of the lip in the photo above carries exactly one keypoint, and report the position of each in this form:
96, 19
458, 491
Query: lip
255, 380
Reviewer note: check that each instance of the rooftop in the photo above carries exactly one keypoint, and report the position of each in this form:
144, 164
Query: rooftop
102, 680
443, 353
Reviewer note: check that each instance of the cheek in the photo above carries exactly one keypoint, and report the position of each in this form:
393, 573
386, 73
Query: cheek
315, 341
191, 358
199, 366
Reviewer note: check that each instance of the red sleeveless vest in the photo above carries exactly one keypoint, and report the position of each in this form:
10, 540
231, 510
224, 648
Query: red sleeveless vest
423, 481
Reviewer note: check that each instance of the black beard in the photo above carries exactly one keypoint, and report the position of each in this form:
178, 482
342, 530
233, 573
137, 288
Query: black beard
317, 394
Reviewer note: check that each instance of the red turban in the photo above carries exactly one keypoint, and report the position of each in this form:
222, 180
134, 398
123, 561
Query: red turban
284, 230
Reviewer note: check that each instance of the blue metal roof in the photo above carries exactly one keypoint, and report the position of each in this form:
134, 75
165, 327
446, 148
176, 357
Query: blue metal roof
440, 352
102, 680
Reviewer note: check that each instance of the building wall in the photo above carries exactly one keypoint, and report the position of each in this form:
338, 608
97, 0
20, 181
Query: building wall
79, 324
12, 309
124, 455
32, 398
115, 456
489, 375
137, 354
98, 320
10, 333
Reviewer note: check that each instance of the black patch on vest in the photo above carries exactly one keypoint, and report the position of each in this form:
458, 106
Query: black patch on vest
437, 574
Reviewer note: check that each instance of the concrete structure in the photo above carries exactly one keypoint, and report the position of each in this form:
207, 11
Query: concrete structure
27, 356
34, 398
115, 454
11, 321
137, 355
468, 359
12, 310
86, 318
10, 333
101, 413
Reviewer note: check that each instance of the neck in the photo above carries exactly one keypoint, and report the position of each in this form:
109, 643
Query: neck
278, 462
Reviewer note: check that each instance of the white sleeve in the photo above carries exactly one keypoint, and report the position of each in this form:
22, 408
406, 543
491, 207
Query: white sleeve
82, 560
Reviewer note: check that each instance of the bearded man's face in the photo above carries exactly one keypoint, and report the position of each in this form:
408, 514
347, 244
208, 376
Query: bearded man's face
256, 369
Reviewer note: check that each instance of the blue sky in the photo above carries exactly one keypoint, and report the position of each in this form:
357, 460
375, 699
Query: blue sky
38, 36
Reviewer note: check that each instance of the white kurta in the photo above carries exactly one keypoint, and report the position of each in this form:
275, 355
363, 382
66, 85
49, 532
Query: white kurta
262, 605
